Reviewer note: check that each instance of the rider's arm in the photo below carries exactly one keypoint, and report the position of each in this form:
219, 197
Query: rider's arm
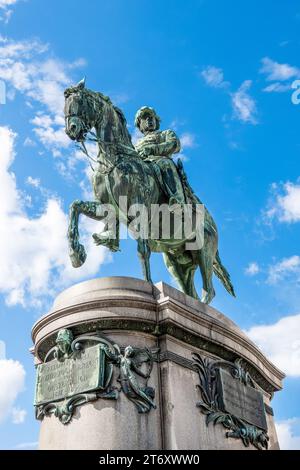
170, 145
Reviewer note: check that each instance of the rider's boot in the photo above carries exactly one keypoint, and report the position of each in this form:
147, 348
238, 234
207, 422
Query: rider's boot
173, 188
108, 239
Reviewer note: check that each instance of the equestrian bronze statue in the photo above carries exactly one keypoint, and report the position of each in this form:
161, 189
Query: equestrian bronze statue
147, 177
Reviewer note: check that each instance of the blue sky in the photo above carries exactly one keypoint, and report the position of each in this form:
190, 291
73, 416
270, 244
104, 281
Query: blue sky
219, 74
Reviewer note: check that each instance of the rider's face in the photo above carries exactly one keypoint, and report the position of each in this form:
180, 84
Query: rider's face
148, 123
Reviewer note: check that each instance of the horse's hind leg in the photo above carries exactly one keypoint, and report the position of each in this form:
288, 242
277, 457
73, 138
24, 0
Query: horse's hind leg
144, 253
183, 273
206, 260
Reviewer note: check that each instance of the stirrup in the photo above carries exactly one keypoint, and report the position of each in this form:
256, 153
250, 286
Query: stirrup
110, 243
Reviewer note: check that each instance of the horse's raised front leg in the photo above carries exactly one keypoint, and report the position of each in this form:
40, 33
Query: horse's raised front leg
144, 255
90, 209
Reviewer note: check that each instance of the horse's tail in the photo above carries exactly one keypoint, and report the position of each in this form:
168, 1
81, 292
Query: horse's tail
222, 273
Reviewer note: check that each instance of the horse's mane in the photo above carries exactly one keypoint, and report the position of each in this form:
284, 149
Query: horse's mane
75, 89
90, 94
119, 112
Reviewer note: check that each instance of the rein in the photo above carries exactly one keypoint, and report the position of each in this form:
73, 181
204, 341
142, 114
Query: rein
109, 150
103, 146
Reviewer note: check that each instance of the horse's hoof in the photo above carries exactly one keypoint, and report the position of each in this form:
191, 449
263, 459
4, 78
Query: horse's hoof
78, 256
208, 297
97, 240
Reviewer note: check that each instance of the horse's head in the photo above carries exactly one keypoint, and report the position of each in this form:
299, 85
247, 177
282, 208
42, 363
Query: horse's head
86, 109
82, 111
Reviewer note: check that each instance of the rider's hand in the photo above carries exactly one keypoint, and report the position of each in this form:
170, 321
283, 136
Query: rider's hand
148, 150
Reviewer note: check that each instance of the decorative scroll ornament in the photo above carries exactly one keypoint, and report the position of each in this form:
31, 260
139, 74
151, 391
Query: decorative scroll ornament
64, 410
78, 371
212, 404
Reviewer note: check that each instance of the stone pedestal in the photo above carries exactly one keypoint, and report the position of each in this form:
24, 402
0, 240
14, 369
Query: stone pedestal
173, 326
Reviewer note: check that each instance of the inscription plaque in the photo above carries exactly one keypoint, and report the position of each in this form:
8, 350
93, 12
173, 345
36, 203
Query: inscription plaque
57, 380
242, 401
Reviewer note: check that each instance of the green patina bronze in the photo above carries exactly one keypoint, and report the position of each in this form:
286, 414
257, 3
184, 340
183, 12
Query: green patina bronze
64, 343
231, 399
73, 374
157, 148
146, 175
129, 363
78, 371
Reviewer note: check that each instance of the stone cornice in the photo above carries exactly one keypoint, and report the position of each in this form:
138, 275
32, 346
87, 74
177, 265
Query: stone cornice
227, 330
236, 336
166, 312
99, 304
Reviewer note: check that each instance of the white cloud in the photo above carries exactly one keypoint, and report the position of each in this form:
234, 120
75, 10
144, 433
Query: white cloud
37, 261
214, 77
29, 142
284, 204
35, 182
187, 140
284, 268
6, 10
26, 67
50, 131
275, 71
136, 136
181, 156
280, 342
19, 50
12, 378
18, 415
277, 87
176, 123
244, 106
287, 438
85, 184
252, 269
279, 74
7, 3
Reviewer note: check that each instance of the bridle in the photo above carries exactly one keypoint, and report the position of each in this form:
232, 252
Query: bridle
105, 147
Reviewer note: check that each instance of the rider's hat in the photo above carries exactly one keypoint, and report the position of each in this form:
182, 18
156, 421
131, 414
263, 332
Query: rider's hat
146, 110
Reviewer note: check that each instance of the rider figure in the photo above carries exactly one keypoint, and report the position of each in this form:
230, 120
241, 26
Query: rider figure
158, 147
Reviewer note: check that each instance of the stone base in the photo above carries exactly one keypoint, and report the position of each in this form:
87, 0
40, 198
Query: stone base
129, 311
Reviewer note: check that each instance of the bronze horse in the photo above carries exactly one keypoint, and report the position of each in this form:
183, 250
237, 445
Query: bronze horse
121, 172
